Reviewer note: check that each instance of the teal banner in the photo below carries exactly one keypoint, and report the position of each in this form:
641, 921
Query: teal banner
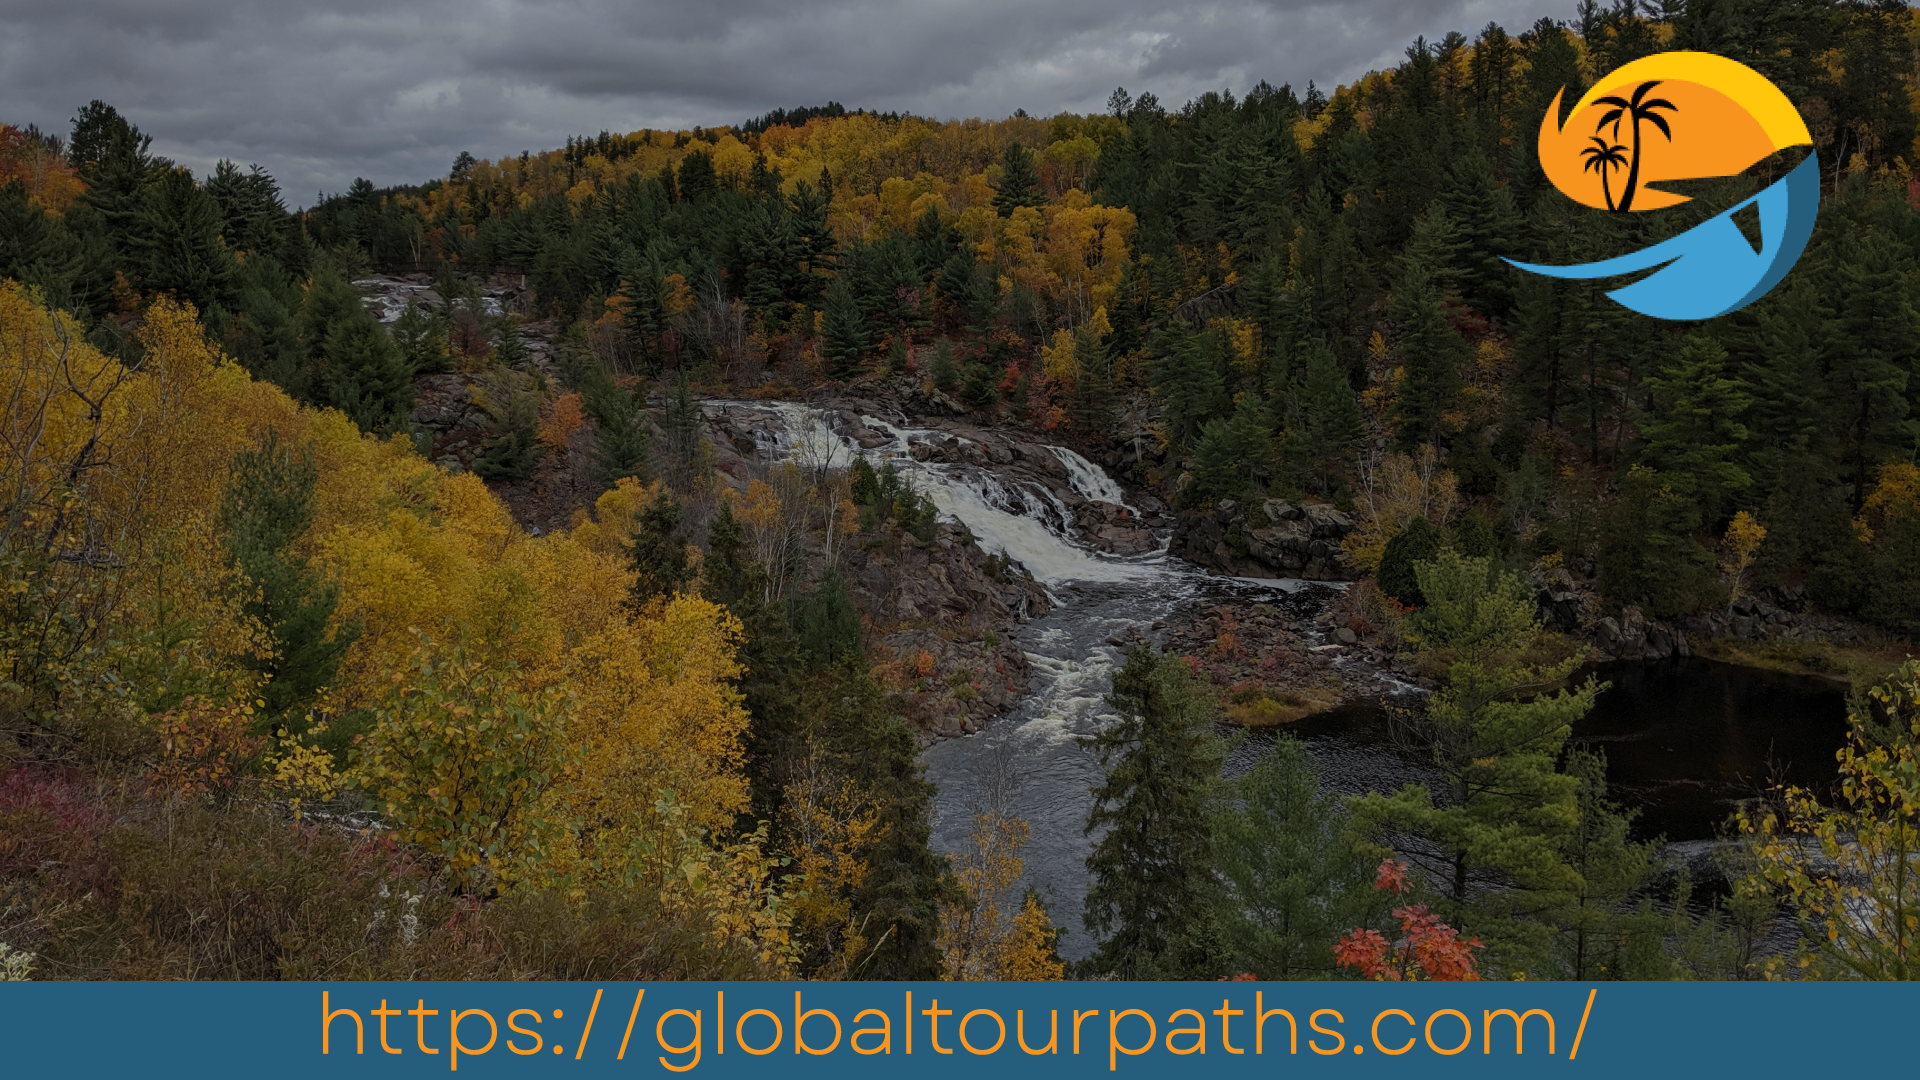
1229, 1029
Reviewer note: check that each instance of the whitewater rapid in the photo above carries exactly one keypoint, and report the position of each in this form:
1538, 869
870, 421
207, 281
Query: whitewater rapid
1032, 757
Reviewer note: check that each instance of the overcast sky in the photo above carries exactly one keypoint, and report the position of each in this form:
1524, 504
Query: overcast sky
392, 90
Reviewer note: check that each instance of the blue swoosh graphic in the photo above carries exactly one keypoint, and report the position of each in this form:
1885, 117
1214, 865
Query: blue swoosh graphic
1712, 269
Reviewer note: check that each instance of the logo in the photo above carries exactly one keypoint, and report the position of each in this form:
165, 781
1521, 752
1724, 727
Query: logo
1683, 116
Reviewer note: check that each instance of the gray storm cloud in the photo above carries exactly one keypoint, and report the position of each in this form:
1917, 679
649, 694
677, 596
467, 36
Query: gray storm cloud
393, 89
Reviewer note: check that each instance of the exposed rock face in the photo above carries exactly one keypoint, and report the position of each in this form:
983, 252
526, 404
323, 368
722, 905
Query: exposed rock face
1274, 538
1779, 613
455, 426
1284, 646
1633, 637
1776, 613
949, 686
949, 583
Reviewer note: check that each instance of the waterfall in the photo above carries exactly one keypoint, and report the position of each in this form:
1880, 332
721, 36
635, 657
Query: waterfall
1090, 480
1018, 519
1104, 600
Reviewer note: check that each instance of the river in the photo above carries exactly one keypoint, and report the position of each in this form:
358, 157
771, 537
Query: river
1684, 739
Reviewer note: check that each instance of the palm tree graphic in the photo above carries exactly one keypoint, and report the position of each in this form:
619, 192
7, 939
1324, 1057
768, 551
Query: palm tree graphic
1604, 157
1637, 110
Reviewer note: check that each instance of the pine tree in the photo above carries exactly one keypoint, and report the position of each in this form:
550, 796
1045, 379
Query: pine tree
350, 362
367, 379
952, 288
685, 457
1293, 881
697, 180
979, 385
421, 341
1019, 183
176, 243
1504, 812
942, 370
1647, 551
1324, 421
1230, 452
814, 240
1400, 560
843, 340
266, 507
1695, 437
1430, 352
1149, 901
112, 157
1871, 352
35, 247
252, 217
658, 552
1191, 380
1602, 927
1093, 398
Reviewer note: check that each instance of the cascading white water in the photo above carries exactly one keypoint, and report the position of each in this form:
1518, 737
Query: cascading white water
1001, 520
1090, 481
1070, 650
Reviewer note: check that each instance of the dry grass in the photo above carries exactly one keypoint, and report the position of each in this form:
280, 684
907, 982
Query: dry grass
1260, 707
103, 882
1858, 665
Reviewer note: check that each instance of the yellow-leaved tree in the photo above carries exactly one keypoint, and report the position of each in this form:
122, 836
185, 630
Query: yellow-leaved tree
520, 724
990, 932
1852, 868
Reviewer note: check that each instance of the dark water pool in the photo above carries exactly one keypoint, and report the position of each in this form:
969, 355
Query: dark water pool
1685, 741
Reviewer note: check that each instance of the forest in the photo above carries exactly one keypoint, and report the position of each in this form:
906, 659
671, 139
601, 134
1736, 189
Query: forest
292, 688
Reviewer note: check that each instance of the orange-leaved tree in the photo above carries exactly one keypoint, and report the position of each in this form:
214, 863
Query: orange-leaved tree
1426, 948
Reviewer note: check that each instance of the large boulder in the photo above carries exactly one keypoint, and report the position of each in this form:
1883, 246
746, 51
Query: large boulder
1277, 538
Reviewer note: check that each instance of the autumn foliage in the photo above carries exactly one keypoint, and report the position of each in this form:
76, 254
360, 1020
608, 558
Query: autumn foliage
1426, 948
518, 726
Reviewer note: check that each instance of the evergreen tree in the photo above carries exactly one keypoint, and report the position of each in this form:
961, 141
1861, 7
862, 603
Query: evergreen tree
421, 341
1430, 351
1150, 897
684, 453
826, 624
1400, 560
264, 334
1093, 397
843, 340
813, 239
658, 553
623, 432
696, 179
112, 157
1871, 353
952, 290
979, 385
1191, 380
1019, 183
1493, 836
35, 247
266, 508
943, 371
368, 380
1603, 927
1229, 453
252, 217
1648, 554
176, 243
1292, 880
1695, 436
351, 363
1324, 423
